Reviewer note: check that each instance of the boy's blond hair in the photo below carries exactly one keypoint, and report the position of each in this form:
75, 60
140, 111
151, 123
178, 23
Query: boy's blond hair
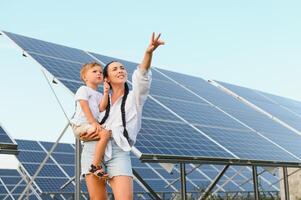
86, 67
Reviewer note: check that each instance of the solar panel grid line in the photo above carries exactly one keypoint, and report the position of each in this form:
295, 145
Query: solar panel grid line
92, 56
14, 188
278, 181
57, 164
242, 175
25, 176
162, 177
44, 69
181, 100
250, 180
192, 126
275, 102
57, 58
232, 116
265, 180
162, 120
4, 132
207, 177
228, 179
25, 172
259, 109
141, 185
187, 179
5, 187
48, 48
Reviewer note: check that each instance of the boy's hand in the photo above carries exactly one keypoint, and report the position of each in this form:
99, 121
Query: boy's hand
154, 43
106, 87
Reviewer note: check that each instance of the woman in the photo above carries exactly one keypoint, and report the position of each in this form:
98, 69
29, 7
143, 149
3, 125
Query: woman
122, 119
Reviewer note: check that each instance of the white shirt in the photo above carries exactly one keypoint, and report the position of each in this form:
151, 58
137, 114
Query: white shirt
93, 97
136, 98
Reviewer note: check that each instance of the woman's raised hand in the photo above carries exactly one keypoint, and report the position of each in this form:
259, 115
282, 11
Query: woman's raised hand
154, 43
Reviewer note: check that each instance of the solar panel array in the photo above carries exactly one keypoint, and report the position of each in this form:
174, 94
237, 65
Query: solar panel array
185, 117
7, 144
60, 168
287, 110
281, 135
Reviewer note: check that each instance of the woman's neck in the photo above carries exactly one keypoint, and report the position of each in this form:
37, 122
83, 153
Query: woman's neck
117, 91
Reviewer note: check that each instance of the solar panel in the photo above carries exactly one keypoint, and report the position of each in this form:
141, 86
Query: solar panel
277, 132
12, 184
189, 115
50, 49
290, 105
7, 144
52, 177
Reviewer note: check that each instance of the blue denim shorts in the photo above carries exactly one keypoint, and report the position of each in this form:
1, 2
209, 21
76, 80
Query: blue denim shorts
119, 165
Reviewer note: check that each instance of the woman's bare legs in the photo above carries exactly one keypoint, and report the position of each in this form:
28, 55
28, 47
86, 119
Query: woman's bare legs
122, 187
96, 188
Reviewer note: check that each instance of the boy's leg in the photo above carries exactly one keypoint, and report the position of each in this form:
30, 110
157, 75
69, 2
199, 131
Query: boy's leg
100, 147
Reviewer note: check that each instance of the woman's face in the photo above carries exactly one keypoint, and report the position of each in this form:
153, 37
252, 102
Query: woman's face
117, 73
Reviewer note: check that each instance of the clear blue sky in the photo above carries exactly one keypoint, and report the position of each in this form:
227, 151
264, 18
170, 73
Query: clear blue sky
250, 43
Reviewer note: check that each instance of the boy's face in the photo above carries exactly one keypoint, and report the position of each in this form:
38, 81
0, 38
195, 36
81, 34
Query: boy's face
94, 75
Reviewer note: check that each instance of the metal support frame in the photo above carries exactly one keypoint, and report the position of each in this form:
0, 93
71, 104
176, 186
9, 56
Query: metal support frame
286, 185
43, 163
153, 194
77, 169
255, 182
213, 183
178, 179
183, 181
54, 145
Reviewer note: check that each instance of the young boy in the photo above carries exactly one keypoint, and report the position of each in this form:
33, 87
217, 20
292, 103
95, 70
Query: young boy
89, 104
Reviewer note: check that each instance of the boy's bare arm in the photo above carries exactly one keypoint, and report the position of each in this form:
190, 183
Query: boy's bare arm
104, 100
103, 103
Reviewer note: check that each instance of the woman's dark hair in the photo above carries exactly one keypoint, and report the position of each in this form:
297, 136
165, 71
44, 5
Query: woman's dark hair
122, 108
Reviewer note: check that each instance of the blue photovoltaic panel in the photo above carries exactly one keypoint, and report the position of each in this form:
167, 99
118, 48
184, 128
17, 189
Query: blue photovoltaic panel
275, 131
130, 66
167, 138
49, 49
4, 138
7, 144
246, 144
12, 185
31, 155
51, 178
201, 114
264, 101
257, 121
290, 105
60, 68
168, 93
